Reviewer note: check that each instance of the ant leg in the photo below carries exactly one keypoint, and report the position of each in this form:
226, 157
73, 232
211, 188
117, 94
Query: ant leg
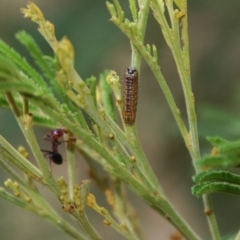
50, 139
47, 137
45, 151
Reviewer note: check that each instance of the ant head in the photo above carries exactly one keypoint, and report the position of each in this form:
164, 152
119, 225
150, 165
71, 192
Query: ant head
57, 133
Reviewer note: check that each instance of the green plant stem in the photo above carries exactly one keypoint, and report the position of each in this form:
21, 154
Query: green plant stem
122, 209
62, 224
143, 16
211, 218
12, 103
71, 168
141, 25
140, 166
66, 227
83, 221
141, 158
238, 236
10, 154
109, 221
80, 214
52, 216
176, 220
12, 173
25, 106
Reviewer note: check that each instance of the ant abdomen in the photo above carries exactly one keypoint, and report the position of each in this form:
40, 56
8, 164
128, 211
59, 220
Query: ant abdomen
54, 156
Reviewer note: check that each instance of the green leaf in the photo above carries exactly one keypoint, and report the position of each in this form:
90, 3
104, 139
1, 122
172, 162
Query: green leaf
217, 175
219, 161
217, 141
47, 64
227, 153
225, 146
92, 85
120, 12
213, 187
133, 8
21, 63
106, 95
32, 47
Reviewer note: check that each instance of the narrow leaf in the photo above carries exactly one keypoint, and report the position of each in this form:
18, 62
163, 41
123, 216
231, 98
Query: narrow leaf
133, 8
217, 175
210, 187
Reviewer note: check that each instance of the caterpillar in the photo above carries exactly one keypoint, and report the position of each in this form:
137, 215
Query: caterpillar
130, 96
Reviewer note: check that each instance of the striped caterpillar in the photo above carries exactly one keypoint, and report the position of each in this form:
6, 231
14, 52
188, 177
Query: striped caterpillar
130, 96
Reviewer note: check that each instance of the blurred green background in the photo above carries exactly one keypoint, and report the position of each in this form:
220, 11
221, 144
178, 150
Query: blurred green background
214, 33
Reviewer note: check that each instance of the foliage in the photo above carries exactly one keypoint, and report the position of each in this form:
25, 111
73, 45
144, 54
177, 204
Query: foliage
69, 102
224, 154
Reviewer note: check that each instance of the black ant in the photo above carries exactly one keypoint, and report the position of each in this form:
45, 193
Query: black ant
53, 137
